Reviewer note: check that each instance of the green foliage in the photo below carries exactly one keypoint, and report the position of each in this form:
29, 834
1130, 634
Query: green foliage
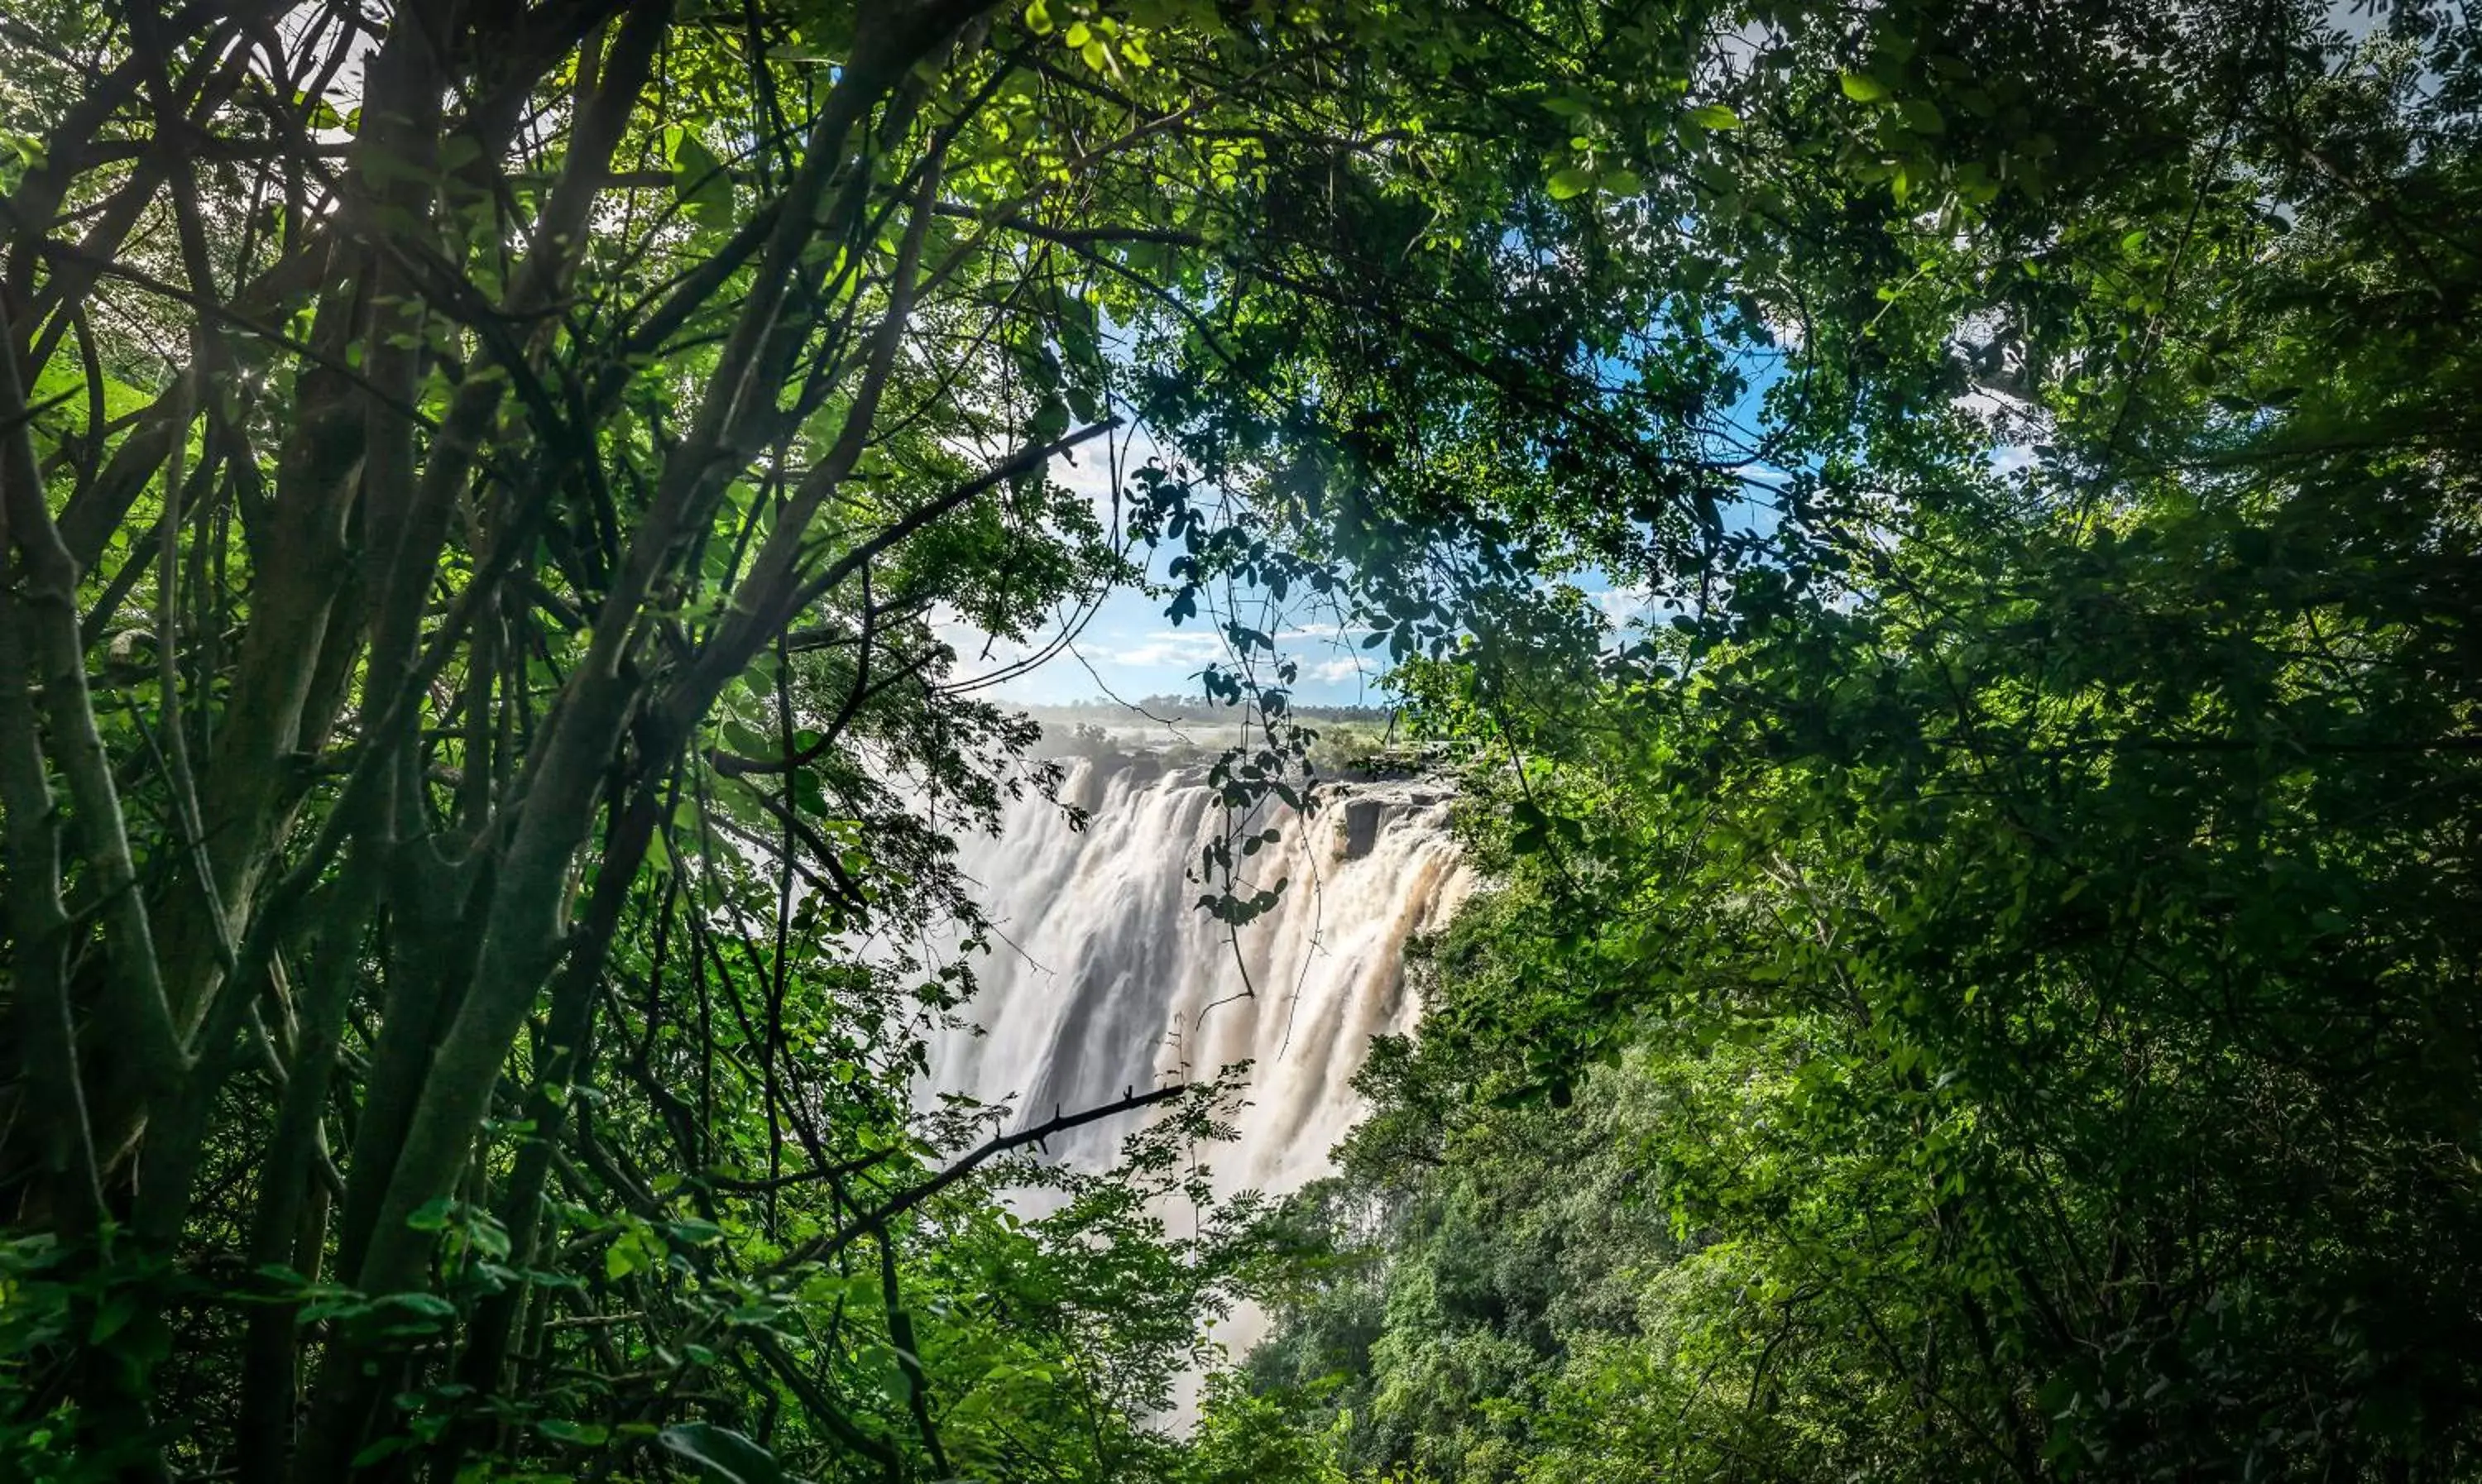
2000, 953
720, 1455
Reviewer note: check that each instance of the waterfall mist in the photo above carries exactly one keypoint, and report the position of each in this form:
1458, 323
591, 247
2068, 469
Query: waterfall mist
1105, 975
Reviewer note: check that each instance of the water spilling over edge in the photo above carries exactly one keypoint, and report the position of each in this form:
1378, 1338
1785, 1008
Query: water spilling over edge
1105, 975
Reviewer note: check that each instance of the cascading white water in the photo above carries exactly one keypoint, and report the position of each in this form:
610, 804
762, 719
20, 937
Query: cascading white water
1105, 974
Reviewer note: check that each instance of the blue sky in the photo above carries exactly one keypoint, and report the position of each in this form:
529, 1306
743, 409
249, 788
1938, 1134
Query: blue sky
1129, 648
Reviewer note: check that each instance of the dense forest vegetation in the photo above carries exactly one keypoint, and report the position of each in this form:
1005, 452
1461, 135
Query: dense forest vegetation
1943, 537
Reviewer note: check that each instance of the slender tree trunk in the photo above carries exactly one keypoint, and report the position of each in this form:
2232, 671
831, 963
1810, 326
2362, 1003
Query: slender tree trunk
283, 1223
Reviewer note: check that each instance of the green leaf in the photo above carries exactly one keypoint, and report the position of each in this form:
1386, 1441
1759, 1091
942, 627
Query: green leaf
113, 1316
386, 1448
699, 178
1575, 181
62, 381
583, 1434
722, 1455
487, 1235
1714, 116
1863, 88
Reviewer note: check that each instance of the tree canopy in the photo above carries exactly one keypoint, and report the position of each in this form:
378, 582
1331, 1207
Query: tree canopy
1984, 992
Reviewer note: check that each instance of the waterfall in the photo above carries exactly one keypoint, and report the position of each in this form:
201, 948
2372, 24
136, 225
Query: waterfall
1105, 975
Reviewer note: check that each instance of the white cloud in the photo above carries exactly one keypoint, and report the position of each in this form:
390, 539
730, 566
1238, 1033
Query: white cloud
1334, 631
978, 652
2014, 423
1104, 466
1164, 646
1621, 604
